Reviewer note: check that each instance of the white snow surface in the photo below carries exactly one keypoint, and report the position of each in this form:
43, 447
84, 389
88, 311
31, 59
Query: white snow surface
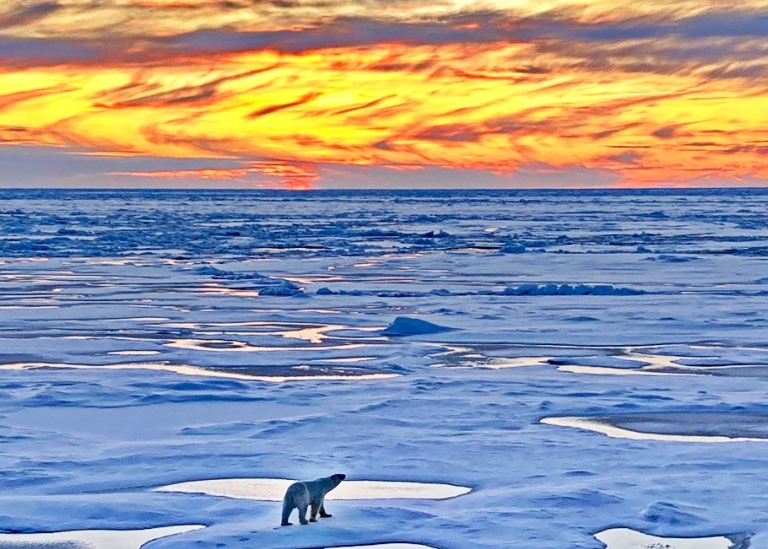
151, 338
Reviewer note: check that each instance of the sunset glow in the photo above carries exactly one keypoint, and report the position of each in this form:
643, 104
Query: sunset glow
301, 93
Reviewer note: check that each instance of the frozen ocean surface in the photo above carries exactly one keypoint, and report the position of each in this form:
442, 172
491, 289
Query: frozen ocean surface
587, 369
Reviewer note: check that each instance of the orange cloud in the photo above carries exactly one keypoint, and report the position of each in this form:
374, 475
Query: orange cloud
288, 176
282, 88
150, 18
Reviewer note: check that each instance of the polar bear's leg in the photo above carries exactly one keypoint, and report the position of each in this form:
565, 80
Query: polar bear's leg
288, 507
314, 508
303, 513
323, 513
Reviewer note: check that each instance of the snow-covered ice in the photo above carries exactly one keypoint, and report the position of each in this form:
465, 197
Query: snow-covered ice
412, 340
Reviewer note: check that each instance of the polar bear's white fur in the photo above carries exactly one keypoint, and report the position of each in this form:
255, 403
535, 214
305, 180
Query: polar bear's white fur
303, 494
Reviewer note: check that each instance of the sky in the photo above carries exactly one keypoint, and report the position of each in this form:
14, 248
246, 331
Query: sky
304, 94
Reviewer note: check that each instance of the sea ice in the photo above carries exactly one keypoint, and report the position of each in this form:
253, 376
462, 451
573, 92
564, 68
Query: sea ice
673, 307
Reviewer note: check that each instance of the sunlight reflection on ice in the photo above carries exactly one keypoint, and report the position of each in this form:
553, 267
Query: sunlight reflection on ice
386, 546
489, 363
23, 307
305, 280
656, 361
380, 546
223, 290
656, 364
95, 539
467, 357
501, 363
197, 371
605, 370
313, 333
608, 360
273, 489
351, 359
227, 346
626, 538
139, 319
620, 432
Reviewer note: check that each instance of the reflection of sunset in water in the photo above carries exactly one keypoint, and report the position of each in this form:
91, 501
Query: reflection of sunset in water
681, 427
273, 489
187, 370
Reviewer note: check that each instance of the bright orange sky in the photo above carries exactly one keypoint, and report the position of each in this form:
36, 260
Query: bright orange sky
367, 93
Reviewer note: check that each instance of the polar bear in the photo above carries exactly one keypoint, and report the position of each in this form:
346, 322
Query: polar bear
303, 494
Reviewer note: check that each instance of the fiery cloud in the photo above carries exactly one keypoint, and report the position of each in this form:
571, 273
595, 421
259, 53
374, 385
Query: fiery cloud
289, 176
656, 93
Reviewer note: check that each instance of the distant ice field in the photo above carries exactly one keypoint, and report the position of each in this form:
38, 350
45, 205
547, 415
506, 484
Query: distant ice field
570, 357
